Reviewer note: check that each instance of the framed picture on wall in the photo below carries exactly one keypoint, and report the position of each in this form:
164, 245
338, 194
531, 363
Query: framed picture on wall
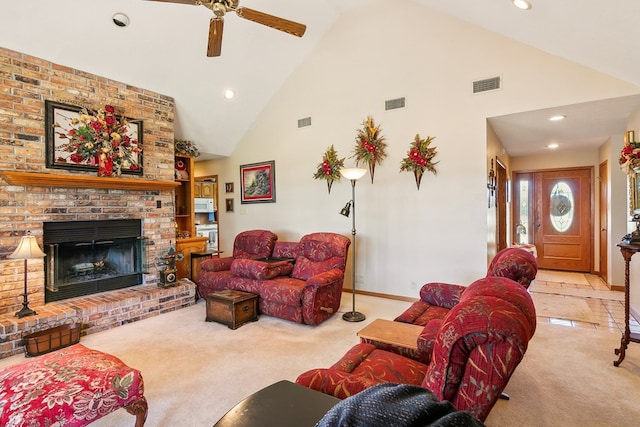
258, 182
228, 203
65, 131
228, 187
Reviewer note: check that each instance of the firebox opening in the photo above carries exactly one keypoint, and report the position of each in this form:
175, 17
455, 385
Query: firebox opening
88, 257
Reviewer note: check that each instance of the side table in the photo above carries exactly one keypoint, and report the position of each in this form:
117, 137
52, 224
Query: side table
397, 334
203, 254
283, 404
627, 252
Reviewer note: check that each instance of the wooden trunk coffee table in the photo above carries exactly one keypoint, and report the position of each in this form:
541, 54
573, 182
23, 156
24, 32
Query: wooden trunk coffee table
232, 308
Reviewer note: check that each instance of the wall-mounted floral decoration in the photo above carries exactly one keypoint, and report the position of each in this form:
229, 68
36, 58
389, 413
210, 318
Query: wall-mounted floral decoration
630, 155
370, 146
97, 137
183, 146
330, 167
419, 158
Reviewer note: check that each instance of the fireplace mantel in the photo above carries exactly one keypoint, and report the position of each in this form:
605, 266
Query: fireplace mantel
84, 181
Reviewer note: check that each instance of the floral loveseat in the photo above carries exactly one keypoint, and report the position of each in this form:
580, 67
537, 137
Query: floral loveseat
306, 288
475, 349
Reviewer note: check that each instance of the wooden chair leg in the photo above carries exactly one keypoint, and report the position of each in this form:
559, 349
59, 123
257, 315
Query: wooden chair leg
139, 408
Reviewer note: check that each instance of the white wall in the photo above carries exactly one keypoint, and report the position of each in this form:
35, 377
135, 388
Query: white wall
634, 266
618, 211
405, 237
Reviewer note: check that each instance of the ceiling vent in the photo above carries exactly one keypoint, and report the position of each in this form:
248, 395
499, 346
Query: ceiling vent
485, 85
393, 104
304, 122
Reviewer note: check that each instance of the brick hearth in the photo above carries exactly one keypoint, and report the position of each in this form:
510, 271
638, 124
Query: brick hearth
97, 312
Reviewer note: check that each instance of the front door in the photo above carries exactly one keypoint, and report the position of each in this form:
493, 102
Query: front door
556, 209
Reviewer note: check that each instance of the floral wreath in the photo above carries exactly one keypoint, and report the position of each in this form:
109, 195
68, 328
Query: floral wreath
419, 158
370, 146
330, 167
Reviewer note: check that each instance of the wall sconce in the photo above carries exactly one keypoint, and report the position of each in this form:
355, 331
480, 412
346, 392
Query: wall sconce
630, 136
491, 183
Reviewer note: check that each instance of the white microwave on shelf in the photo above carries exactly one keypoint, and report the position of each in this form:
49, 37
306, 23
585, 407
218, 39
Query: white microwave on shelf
203, 205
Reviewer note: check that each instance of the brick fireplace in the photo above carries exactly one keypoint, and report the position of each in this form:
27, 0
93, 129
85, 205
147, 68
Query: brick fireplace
90, 257
33, 195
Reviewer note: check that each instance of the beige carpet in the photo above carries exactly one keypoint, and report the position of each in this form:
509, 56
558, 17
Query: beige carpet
196, 371
562, 307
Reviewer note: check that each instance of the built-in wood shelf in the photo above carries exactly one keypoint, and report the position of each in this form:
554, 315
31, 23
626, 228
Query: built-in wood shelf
84, 181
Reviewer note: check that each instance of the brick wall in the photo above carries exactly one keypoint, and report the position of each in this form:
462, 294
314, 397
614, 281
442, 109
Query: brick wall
25, 83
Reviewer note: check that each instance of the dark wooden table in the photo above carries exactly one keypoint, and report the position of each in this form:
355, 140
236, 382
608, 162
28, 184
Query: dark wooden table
627, 251
283, 404
204, 254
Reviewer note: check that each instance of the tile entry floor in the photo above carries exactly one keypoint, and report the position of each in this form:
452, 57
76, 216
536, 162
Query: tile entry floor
607, 306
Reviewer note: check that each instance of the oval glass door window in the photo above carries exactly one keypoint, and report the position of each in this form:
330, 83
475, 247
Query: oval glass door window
561, 207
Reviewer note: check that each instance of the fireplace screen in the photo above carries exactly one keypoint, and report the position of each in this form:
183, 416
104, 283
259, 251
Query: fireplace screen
88, 257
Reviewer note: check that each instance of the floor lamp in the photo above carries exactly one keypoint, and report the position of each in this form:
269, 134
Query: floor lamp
27, 249
352, 174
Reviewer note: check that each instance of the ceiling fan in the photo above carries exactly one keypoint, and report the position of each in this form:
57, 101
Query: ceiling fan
221, 7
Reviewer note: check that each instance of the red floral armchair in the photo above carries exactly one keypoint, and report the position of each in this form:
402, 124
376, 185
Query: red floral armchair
216, 272
478, 344
437, 298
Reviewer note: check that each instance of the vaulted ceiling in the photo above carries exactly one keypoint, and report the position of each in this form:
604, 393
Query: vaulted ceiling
164, 50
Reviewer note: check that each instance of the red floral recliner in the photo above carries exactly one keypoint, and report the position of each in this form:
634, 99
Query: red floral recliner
308, 292
437, 298
216, 272
476, 349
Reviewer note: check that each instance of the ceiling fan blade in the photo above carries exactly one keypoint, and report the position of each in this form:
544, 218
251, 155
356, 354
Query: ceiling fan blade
192, 2
215, 37
272, 21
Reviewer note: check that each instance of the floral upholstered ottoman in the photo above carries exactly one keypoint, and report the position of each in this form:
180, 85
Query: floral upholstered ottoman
72, 387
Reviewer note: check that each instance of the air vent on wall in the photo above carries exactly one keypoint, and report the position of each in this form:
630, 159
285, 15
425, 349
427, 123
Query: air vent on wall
304, 122
393, 104
492, 83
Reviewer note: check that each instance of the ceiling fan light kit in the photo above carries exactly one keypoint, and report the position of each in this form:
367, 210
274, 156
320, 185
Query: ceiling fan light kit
522, 4
221, 7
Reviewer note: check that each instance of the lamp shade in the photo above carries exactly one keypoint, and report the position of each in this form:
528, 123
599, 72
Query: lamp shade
27, 248
353, 173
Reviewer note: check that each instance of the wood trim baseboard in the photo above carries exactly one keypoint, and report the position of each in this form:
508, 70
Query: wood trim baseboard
387, 296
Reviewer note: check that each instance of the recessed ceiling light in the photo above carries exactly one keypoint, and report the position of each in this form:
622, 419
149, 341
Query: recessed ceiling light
552, 146
521, 4
121, 20
557, 118
229, 94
